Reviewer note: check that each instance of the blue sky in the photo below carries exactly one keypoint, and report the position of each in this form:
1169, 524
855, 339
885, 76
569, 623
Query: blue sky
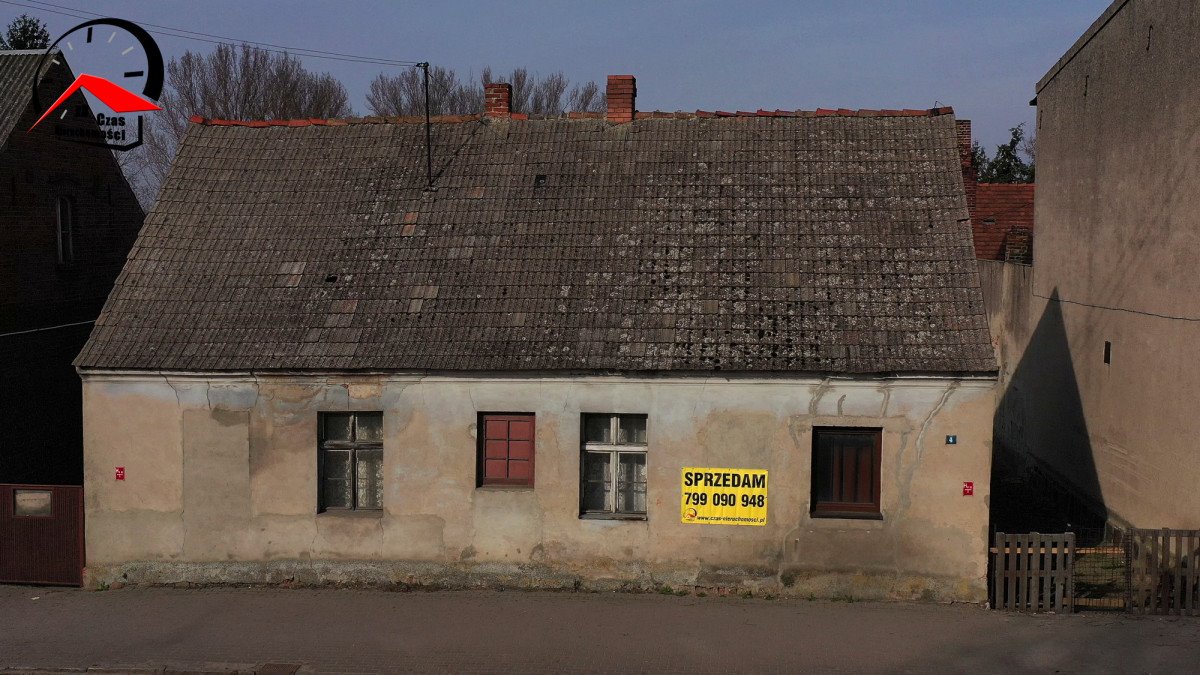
982, 57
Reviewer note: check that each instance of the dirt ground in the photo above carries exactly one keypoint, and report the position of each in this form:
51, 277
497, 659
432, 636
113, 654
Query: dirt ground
467, 631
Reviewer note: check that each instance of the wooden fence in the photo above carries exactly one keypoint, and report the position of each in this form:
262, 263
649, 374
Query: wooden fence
1033, 572
1164, 572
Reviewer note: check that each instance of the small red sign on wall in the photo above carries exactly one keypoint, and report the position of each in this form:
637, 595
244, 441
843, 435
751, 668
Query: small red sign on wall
120, 473
968, 488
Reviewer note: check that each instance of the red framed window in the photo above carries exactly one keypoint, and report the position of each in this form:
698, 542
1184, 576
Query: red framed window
506, 449
845, 472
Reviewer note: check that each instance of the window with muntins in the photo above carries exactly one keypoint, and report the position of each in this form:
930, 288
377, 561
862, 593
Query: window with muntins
350, 461
613, 466
506, 449
845, 473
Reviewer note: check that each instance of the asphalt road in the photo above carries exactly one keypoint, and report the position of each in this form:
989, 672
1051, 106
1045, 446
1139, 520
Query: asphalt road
338, 630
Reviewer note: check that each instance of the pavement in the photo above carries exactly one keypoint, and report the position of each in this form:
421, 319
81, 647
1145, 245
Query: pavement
272, 630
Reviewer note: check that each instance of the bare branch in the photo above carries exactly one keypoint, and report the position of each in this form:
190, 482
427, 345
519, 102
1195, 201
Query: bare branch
241, 82
402, 93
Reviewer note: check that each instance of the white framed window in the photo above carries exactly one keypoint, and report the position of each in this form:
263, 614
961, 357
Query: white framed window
64, 214
613, 466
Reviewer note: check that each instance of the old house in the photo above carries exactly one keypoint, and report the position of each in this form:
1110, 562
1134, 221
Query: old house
67, 220
622, 349
1106, 369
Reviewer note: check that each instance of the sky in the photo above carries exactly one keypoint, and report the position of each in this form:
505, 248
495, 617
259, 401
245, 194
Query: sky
983, 57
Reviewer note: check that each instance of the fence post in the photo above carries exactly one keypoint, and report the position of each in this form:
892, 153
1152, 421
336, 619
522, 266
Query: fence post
1127, 546
1193, 574
1177, 563
997, 566
1011, 561
1060, 576
1070, 546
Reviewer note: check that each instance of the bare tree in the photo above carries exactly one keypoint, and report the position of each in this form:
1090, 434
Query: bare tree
403, 93
232, 82
586, 97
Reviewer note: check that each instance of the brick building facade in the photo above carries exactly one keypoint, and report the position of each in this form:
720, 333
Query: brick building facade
68, 220
1003, 222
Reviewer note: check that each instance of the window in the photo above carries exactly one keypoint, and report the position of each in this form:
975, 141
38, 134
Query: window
350, 465
506, 449
845, 473
31, 503
613, 482
66, 228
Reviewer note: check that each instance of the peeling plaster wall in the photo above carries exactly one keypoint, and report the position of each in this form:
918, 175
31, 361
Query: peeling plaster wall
221, 484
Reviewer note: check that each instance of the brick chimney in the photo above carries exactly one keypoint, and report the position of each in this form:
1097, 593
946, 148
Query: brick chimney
970, 180
621, 93
497, 99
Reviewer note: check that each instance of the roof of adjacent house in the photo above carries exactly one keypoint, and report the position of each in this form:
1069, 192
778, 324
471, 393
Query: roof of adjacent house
999, 209
780, 242
16, 86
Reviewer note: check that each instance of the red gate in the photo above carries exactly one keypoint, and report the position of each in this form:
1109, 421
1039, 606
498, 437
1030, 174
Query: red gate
41, 534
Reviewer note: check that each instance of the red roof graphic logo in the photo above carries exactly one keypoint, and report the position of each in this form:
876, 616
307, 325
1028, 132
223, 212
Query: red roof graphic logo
117, 98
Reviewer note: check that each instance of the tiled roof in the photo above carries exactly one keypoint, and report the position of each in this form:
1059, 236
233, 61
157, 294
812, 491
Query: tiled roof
818, 243
16, 80
641, 115
999, 209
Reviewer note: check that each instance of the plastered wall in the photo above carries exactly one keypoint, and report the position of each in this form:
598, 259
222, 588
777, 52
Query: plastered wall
221, 484
1118, 214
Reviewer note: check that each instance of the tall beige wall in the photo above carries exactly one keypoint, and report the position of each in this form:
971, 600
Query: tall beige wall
1118, 217
221, 484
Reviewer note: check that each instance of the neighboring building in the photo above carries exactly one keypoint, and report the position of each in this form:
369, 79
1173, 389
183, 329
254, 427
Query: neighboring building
315, 368
1104, 393
67, 220
1003, 222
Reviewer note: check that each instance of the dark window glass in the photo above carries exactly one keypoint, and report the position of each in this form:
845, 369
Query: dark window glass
631, 429
369, 428
631, 482
337, 492
597, 429
351, 461
845, 473
66, 230
339, 427
597, 481
368, 474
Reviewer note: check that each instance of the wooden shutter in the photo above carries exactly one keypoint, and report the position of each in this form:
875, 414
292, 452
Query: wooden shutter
846, 466
507, 449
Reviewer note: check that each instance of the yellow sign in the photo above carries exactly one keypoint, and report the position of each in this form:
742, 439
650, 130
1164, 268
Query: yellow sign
724, 496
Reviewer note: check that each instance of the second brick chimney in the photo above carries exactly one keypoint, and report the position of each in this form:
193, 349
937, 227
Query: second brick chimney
621, 94
497, 99
965, 151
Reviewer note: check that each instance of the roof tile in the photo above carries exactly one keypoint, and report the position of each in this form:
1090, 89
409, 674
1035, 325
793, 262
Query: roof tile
811, 242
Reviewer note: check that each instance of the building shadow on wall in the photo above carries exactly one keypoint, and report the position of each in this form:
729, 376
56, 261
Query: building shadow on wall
1044, 475
41, 407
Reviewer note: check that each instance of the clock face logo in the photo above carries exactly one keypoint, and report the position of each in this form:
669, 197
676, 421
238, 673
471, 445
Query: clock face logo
119, 77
